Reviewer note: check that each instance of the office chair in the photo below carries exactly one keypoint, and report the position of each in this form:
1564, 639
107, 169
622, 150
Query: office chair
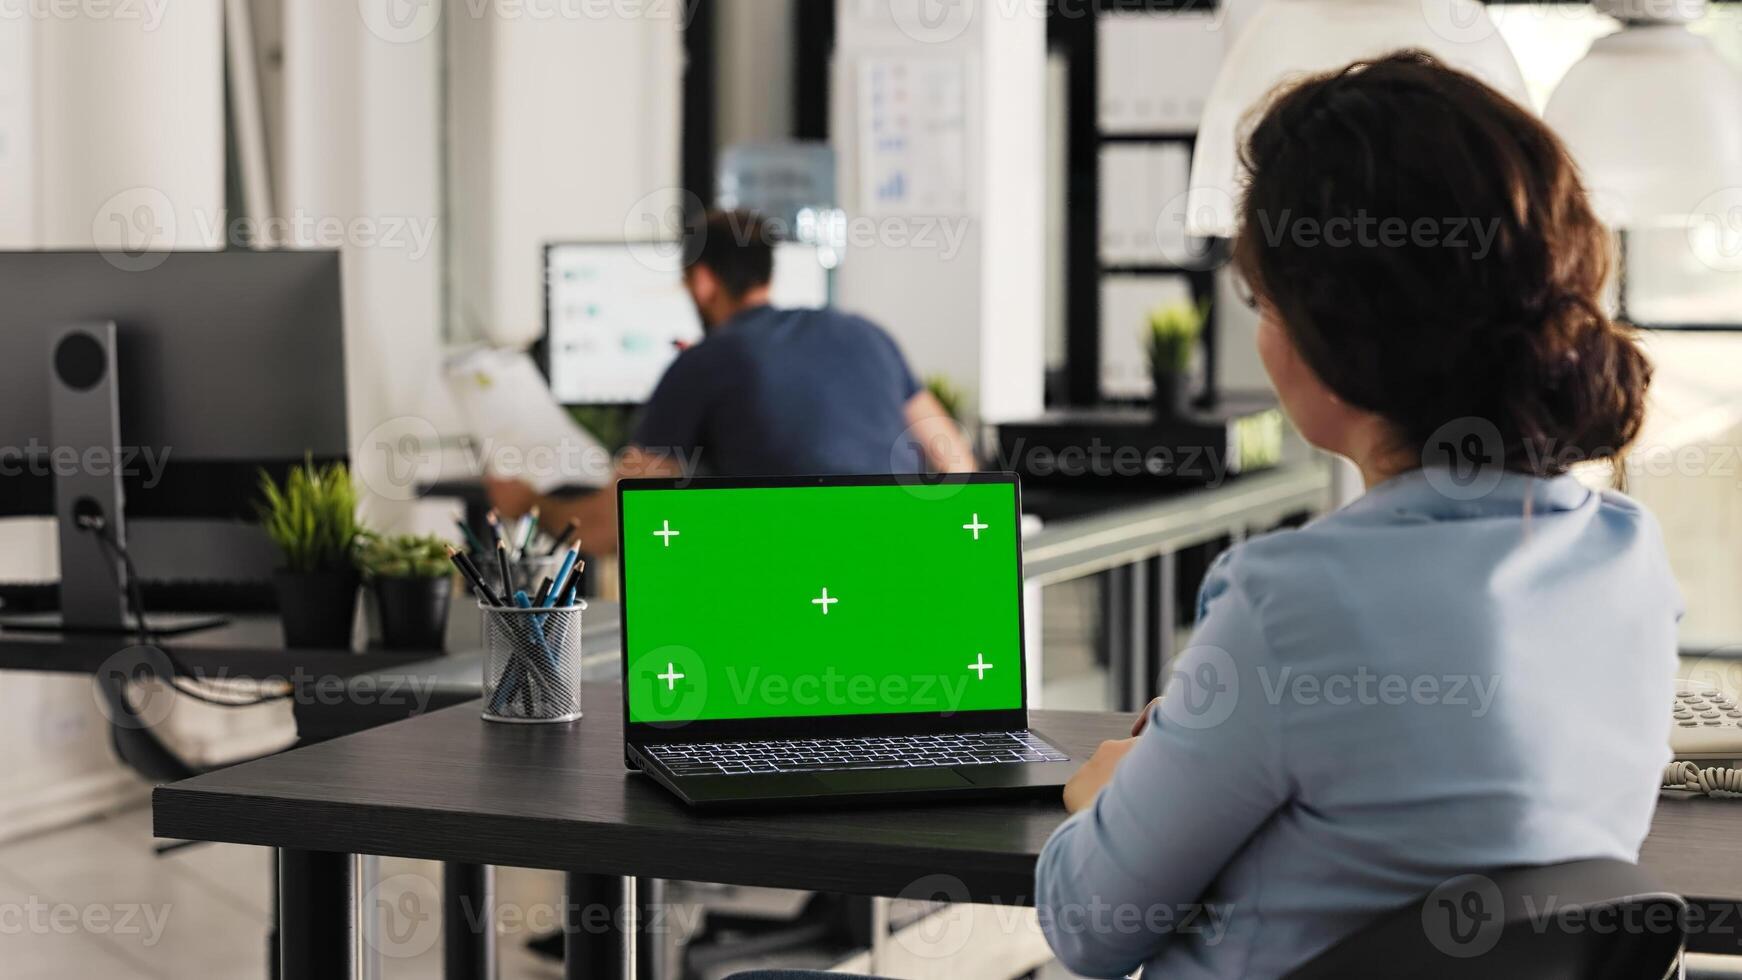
1583, 920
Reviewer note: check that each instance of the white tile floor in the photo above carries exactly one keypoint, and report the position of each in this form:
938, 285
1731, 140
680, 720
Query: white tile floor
95, 901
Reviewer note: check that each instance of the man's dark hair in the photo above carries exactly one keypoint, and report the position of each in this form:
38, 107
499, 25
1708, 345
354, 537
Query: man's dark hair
737, 246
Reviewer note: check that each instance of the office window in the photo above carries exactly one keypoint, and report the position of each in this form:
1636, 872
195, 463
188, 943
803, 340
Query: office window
1682, 467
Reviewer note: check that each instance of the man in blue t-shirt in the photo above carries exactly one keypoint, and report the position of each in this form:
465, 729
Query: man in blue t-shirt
767, 392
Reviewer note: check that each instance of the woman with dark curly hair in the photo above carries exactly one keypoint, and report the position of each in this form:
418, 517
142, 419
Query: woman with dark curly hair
1468, 668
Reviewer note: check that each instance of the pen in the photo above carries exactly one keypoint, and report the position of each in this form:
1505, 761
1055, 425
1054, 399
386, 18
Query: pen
502, 566
569, 530
562, 573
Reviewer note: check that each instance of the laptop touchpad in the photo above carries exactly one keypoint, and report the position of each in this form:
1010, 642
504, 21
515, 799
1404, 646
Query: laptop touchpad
884, 780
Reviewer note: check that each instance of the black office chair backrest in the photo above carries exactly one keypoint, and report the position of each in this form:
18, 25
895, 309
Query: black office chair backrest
1585, 920
130, 730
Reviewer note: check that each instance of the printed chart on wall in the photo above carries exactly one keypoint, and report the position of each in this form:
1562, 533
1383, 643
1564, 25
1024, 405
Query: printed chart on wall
913, 136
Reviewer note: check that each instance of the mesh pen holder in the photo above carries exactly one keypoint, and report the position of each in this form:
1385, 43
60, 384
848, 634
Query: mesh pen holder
532, 664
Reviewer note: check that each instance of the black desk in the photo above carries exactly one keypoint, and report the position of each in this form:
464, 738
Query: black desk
449, 786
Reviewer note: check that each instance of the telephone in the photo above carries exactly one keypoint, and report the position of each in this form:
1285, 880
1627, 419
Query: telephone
1708, 725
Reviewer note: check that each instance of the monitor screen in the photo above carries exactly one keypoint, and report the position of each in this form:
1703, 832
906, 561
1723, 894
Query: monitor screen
821, 600
617, 314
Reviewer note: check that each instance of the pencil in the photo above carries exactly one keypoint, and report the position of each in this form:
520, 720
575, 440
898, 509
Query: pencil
470, 573
562, 573
569, 530
531, 531
502, 566
471, 539
572, 586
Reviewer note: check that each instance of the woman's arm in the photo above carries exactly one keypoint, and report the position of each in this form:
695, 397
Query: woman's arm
1119, 878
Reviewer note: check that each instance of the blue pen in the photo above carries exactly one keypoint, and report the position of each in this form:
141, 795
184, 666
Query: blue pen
548, 669
561, 577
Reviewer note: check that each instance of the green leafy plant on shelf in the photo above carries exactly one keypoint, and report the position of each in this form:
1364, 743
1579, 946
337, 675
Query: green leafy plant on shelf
312, 517
404, 556
608, 423
948, 394
1173, 335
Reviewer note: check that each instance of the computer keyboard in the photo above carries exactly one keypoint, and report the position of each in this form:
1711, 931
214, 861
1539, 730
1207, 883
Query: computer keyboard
865, 752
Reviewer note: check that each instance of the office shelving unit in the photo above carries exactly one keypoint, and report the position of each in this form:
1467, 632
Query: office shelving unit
1073, 28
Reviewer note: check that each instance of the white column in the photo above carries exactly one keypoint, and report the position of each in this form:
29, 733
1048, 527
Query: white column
958, 278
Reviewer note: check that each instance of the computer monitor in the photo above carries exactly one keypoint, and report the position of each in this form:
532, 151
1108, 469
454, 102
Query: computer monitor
843, 625
217, 365
616, 313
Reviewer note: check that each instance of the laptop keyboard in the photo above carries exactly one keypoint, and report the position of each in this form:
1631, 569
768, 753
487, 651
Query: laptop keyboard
869, 752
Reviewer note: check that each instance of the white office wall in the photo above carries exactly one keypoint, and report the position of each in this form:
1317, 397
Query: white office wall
358, 164
562, 127
105, 114
961, 288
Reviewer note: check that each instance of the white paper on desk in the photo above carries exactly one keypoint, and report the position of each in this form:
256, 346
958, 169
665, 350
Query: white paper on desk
517, 425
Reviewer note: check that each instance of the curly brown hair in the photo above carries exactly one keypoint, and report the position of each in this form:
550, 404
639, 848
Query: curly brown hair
1428, 247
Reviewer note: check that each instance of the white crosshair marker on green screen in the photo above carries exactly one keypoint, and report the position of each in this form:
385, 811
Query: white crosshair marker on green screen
667, 533
826, 601
980, 665
671, 676
975, 526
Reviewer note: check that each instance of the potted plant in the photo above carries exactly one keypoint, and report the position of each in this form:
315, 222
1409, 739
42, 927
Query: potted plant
947, 394
312, 518
412, 581
1174, 330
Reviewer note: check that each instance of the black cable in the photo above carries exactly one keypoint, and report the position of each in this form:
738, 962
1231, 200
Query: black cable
135, 599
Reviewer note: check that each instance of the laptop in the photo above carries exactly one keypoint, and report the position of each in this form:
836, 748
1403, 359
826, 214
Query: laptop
839, 639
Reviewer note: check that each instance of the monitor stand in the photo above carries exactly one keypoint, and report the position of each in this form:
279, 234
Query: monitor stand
84, 418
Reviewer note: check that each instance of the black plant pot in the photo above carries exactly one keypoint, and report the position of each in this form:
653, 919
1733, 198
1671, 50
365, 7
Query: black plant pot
319, 609
1173, 395
414, 612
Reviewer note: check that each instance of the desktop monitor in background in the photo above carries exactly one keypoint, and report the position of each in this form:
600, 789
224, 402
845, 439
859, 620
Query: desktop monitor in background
154, 397
616, 314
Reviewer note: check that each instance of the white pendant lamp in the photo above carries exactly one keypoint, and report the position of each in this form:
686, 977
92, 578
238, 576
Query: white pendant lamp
1652, 114
1287, 39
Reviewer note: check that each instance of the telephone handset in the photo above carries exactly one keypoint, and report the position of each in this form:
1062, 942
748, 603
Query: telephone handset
1707, 725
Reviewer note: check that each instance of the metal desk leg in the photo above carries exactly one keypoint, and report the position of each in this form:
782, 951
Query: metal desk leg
593, 949
317, 910
1161, 618
468, 922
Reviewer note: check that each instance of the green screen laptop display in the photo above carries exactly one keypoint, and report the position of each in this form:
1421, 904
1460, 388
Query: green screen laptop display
821, 600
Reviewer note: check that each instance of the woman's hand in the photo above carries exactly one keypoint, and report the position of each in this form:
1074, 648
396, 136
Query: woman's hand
1142, 721
1095, 774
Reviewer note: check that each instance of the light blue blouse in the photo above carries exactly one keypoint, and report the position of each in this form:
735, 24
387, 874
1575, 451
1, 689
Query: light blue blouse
1414, 687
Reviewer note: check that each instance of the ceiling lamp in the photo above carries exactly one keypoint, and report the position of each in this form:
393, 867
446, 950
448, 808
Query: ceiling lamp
1287, 39
1652, 114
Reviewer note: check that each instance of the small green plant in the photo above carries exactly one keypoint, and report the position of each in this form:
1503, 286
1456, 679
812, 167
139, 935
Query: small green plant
312, 518
947, 394
404, 556
608, 423
1173, 335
